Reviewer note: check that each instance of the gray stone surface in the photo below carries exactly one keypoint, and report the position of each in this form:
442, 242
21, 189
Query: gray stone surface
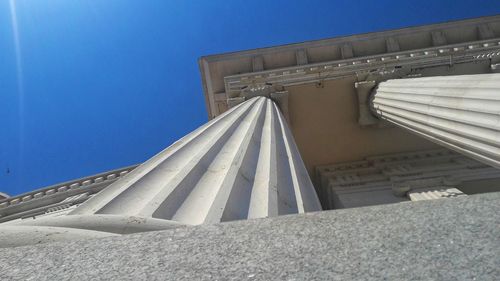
448, 239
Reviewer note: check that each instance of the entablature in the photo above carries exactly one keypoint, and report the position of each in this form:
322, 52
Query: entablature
467, 41
486, 50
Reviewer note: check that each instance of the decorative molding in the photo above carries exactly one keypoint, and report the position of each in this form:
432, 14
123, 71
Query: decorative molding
346, 51
392, 45
434, 193
438, 38
274, 93
388, 178
43, 198
335, 58
301, 57
428, 57
257, 63
363, 91
485, 31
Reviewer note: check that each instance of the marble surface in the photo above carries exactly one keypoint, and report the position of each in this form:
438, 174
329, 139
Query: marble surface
448, 239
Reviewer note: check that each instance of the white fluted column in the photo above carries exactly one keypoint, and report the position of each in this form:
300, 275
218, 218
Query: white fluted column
459, 112
243, 164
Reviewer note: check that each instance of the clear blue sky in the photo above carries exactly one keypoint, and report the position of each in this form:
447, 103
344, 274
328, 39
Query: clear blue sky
87, 86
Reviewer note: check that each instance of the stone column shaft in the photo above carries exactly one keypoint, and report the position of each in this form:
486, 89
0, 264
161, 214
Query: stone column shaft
243, 164
459, 112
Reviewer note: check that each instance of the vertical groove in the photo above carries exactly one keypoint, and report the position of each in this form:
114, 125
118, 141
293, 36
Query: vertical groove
264, 190
238, 201
286, 195
158, 166
458, 112
241, 165
208, 198
307, 199
174, 193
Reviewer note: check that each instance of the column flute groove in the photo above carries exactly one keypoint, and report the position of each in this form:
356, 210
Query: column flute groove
243, 164
459, 112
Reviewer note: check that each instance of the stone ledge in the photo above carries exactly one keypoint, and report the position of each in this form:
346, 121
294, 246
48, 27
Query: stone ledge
450, 239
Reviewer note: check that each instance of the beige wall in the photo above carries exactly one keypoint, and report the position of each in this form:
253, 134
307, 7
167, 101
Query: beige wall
324, 123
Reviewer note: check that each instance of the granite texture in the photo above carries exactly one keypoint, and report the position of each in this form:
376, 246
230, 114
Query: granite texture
449, 239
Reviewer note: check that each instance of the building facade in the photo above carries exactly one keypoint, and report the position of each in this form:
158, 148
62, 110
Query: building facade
387, 117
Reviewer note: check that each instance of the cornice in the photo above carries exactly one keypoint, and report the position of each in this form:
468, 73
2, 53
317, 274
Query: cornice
58, 192
419, 58
431, 45
353, 38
